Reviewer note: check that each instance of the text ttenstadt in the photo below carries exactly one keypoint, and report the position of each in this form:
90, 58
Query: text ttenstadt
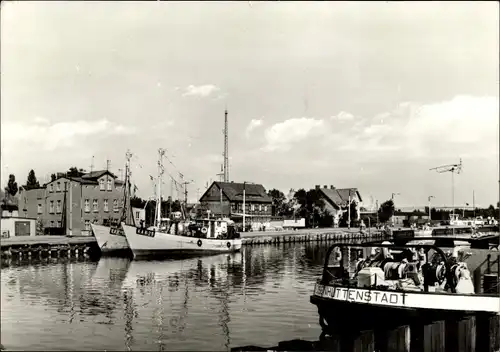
360, 296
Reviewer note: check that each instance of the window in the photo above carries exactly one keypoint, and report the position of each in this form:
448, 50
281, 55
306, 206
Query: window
52, 223
265, 207
87, 205
260, 207
121, 204
39, 208
137, 215
253, 207
109, 184
106, 208
101, 184
95, 205
115, 205
58, 207
58, 187
51, 187
51, 207
59, 223
87, 225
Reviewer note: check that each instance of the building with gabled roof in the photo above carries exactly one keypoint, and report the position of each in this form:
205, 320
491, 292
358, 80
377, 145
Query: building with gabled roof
226, 199
337, 200
68, 205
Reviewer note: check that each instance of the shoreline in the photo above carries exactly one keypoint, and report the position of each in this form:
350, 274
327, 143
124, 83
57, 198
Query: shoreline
247, 237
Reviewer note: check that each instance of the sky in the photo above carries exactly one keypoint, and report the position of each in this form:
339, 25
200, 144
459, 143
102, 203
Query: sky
367, 95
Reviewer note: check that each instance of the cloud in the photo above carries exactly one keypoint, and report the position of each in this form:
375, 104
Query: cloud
44, 136
281, 136
255, 123
343, 116
200, 91
462, 126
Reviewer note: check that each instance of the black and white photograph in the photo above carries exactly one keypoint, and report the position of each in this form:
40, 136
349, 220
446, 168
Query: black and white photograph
250, 176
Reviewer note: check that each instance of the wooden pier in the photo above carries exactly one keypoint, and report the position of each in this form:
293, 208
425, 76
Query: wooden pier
472, 334
48, 246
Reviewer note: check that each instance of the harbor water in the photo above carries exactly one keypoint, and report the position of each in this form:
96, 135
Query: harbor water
259, 296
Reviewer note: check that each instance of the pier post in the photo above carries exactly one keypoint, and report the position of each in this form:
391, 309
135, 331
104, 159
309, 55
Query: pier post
487, 332
398, 339
365, 342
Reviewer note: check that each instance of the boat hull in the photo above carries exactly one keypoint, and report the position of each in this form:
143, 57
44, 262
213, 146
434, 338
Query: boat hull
110, 242
363, 306
144, 243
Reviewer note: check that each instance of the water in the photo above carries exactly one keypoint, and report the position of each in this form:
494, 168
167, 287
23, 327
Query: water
257, 297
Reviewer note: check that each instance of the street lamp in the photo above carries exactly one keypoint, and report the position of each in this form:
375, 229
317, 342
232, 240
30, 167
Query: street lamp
463, 210
429, 200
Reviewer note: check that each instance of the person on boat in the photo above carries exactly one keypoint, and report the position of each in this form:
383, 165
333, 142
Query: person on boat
460, 273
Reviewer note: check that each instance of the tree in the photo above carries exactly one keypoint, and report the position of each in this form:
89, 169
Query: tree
9, 202
75, 172
31, 182
136, 202
279, 201
11, 188
53, 177
312, 208
386, 210
344, 220
490, 212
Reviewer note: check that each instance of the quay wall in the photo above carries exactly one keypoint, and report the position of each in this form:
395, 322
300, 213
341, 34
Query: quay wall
467, 334
51, 245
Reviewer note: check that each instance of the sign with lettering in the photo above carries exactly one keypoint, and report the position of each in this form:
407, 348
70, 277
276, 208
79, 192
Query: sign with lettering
116, 231
145, 232
361, 295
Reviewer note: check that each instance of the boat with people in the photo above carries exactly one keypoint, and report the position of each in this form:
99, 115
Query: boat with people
179, 235
111, 239
406, 279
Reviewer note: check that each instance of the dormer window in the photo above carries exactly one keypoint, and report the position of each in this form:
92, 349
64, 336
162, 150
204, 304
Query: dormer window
51, 188
109, 184
101, 184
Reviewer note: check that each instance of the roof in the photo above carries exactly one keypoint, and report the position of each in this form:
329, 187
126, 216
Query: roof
339, 197
90, 178
234, 191
97, 174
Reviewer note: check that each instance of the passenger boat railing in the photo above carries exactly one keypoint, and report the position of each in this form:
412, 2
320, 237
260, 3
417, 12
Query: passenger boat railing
336, 274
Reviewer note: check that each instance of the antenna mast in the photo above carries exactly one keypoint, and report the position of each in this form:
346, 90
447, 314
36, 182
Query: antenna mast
226, 149
450, 168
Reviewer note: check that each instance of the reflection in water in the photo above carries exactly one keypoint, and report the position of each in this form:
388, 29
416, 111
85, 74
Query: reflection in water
257, 296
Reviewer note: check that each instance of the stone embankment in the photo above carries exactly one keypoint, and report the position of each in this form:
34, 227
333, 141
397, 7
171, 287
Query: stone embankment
76, 246
313, 235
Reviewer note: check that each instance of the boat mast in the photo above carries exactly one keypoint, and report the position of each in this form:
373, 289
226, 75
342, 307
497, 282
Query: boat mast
127, 208
161, 153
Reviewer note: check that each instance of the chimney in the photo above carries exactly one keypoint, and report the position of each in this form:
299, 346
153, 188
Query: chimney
331, 187
325, 186
318, 186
